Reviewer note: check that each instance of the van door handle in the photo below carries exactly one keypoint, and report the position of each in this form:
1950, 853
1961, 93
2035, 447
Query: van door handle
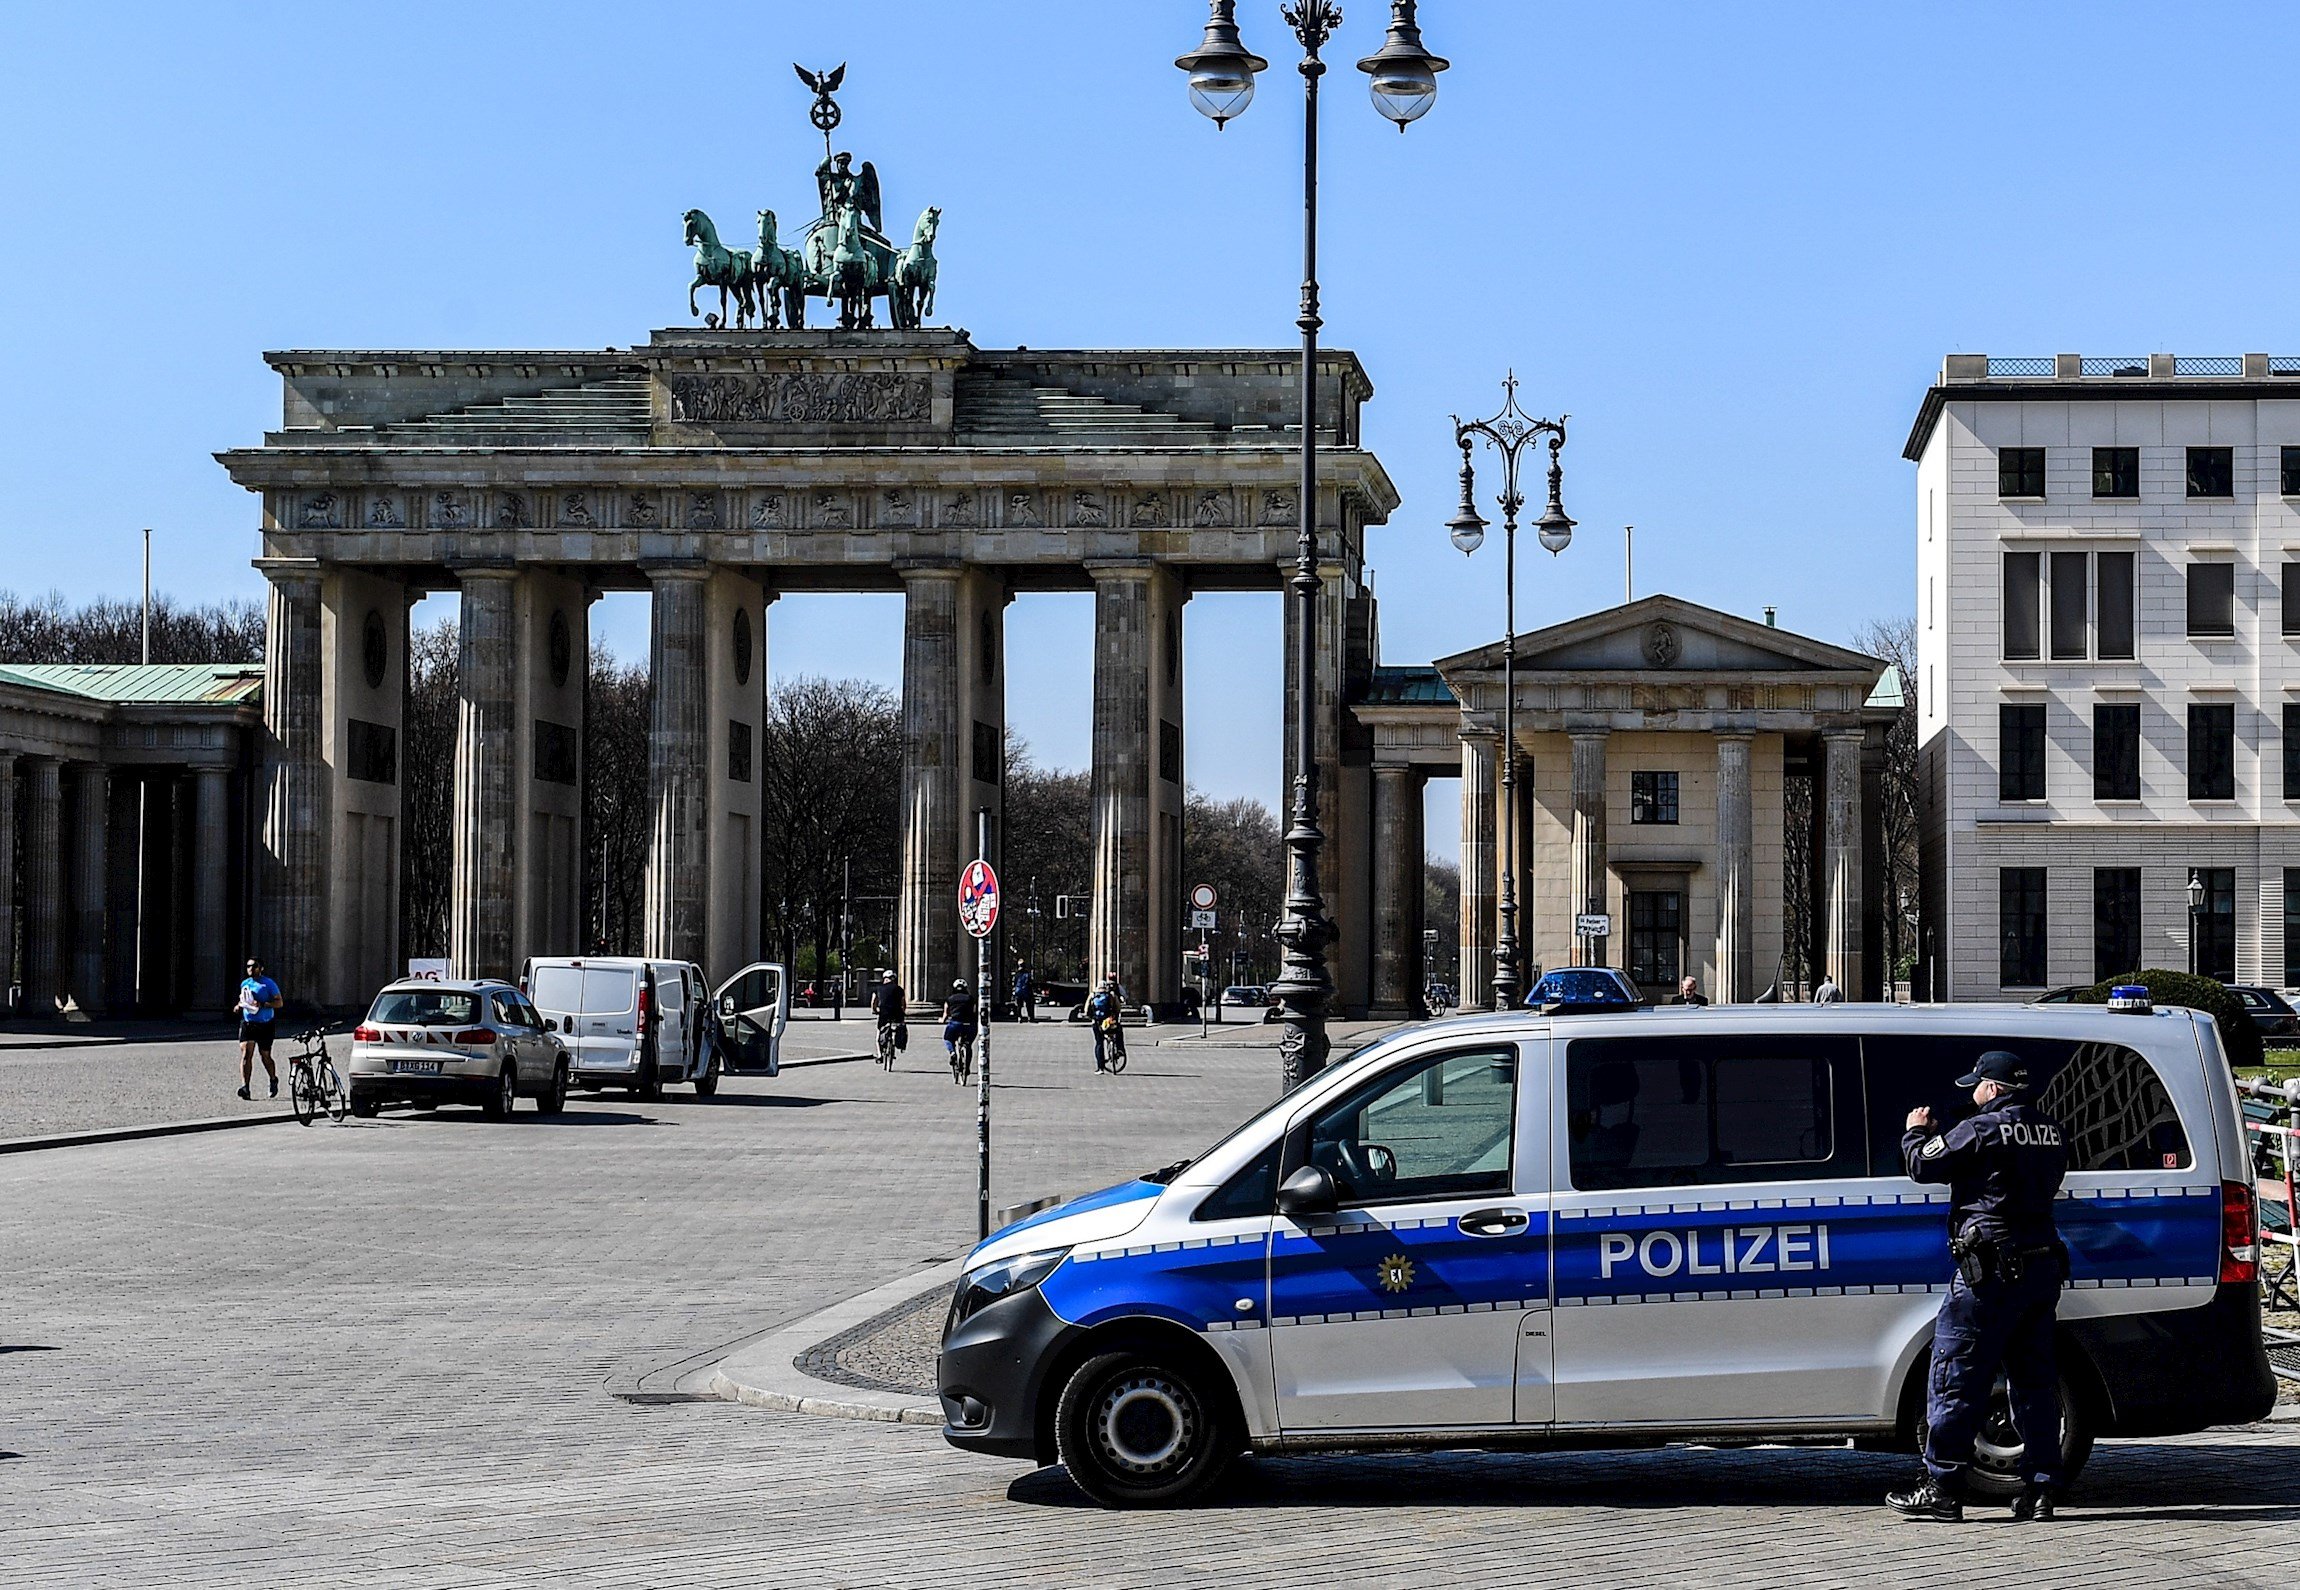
1494, 1222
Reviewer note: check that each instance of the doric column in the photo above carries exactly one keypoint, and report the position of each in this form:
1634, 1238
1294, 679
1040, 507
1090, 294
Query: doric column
735, 725
1133, 924
981, 621
290, 932
43, 886
481, 875
678, 871
928, 916
211, 874
1736, 906
91, 825
7, 876
551, 619
159, 928
123, 864
363, 638
1841, 853
1589, 867
1397, 891
1478, 773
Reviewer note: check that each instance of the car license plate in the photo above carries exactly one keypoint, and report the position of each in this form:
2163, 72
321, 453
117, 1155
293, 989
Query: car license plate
425, 1068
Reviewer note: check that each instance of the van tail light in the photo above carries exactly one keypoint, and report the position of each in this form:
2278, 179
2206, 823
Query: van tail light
363, 1033
474, 1038
643, 1003
2239, 1233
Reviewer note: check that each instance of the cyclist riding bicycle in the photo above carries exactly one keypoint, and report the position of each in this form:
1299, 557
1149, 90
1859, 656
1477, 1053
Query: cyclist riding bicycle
887, 1004
1104, 1008
958, 1022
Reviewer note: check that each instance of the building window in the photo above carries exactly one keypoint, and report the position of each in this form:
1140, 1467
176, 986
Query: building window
2115, 922
1653, 798
2212, 751
2020, 925
2291, 599
2212, 472
2023, 591
2113, 577
2289, 486
2292, 750
2212, 599
2116, 472
2116, 751
2212, 924
2020, 751
2291, 922
1656, 939
2071, 606
2020, 472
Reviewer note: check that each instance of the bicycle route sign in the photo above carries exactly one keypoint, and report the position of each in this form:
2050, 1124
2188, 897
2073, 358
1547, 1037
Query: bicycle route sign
978, 899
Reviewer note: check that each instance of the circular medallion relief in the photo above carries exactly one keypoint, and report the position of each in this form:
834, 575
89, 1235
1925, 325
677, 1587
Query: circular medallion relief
742, 645
374, 649
561, 642
1661, 644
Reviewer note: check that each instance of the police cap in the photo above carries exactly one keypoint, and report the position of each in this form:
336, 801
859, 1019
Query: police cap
2001, 1066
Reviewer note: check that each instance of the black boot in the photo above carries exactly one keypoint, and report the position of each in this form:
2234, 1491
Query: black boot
2033, 1505
1927, 1501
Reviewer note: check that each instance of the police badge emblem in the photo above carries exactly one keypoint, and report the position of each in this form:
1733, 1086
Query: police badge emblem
1395, 1273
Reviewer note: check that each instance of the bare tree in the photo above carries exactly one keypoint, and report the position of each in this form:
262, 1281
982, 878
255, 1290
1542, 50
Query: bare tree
1046, 847
44, 630
1236, 846
833, 774
1441, 914
427, 781
616, 726
1895, 640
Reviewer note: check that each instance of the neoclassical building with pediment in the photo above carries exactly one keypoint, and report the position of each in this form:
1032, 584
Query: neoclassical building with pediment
1655, 743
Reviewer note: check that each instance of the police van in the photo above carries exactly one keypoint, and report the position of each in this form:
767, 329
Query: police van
1686, 1224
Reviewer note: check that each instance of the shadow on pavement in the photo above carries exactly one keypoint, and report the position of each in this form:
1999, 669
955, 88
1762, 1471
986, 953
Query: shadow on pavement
2157, 1481
24, 1347
766, 1101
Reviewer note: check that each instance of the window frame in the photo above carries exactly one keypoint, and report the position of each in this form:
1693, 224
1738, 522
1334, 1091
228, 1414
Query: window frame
2109, 465
2203, 718
2215, 458
2057, 563
2040, 908
2219, 948
1846, 1113
2013, 473
2034, 605
2128, 884
2193, 591
2288, 471
2010, 768
1658, 782
2291, 748
2127, 711
2127, 610
1296, 1153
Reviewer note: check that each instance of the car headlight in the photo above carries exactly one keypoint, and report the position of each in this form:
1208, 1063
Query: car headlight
985, 1284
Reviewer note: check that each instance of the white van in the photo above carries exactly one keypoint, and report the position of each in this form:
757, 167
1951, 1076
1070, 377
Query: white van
635, 1023
1518, 1230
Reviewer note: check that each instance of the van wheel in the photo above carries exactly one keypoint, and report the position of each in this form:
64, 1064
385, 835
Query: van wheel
553, 1099
498, 1105
1995, 1471
1136, 1430
650, 1083
707, 1085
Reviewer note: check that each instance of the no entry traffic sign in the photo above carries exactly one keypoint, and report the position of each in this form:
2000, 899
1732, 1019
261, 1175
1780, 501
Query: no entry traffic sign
978, 899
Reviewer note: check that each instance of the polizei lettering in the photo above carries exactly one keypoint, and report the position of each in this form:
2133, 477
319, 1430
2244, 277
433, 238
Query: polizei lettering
1728, 1250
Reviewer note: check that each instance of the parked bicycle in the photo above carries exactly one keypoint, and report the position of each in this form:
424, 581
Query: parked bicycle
314, 1086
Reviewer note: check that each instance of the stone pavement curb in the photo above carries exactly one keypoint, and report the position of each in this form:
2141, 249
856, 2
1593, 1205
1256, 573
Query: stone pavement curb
125, 1134
761, 1374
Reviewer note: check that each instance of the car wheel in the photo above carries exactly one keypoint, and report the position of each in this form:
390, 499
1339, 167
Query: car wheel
365, 1105
554, 1098
498, 1105
1136, 1430
1995, 1471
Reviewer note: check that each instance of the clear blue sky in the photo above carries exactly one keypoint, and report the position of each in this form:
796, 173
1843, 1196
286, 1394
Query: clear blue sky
1733, 241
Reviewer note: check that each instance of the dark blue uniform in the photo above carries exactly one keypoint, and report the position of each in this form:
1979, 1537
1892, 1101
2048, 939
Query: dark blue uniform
2003, 1168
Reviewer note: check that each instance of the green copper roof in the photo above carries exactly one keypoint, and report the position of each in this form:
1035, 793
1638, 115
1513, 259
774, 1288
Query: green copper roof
1394, 687
127, 684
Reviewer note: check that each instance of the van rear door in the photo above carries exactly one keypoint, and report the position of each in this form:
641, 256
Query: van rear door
606, 1027
754, 1007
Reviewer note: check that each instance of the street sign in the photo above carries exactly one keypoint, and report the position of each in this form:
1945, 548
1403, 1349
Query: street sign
978, 899
1200, 920
1593, 925
1203, 898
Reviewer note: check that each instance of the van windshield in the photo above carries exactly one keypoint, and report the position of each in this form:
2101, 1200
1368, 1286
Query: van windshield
425, 1007
557, 988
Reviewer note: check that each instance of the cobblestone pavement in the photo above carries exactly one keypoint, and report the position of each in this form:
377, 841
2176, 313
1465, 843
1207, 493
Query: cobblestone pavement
398, 1353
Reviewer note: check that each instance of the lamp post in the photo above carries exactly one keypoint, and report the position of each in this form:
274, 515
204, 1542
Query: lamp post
2195, 915
1509, 433
1403, 79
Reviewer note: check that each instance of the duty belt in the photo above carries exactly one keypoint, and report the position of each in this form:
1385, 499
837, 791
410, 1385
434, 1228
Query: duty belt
1981, 1257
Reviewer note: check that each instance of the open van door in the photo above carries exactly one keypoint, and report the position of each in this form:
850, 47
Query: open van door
754, 1007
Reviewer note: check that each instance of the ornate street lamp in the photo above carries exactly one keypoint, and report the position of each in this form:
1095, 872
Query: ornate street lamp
1508, 433
2195, 916
1403, 79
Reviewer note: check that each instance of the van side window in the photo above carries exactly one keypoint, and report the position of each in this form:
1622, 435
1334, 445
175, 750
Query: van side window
1697, 1110
1435, 1128
2116, 1109
1251, 1191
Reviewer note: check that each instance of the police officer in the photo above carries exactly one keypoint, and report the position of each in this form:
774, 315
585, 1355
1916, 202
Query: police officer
2003, 1168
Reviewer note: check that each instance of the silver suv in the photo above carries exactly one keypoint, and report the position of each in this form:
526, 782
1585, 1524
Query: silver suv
444, 1043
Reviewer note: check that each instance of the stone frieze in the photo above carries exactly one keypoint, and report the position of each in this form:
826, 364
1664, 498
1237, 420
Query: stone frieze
801, 398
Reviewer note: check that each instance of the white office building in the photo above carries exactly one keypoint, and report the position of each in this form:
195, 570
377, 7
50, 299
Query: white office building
2108, 625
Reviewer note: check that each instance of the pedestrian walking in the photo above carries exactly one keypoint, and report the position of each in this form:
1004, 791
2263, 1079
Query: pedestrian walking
1025, 991
1826, 992
2003, 1168
258, 1008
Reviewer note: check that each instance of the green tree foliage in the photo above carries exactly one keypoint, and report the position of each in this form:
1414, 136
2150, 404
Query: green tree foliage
2237, 1034
44, 630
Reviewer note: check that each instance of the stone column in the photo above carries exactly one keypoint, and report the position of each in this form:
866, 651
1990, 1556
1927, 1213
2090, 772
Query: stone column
1133, 925
1841, 851
551, 620
7, 877
1736, 905
123, 864
981, 710
1589, 866
43, 887
735, 724
290, 932
211, 875
1397, 891
159, 926
481, 874
928, 909
1478, 865
678, 869
91, 825
363, 644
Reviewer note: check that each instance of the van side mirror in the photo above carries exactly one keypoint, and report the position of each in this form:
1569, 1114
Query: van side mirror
1309, 1191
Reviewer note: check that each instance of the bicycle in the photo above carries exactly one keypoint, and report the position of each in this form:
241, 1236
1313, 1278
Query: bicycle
314, 1085
962, 1059
887, 1044
1113, 1046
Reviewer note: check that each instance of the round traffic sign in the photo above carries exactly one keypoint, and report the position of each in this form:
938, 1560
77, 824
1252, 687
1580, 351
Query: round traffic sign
978, 899
1202, 897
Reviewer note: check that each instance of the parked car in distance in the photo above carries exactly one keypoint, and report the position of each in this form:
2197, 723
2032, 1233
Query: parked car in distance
2270, 1011
1572, 990
640, 1024
1068, 996
477, 1043
1245, 994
